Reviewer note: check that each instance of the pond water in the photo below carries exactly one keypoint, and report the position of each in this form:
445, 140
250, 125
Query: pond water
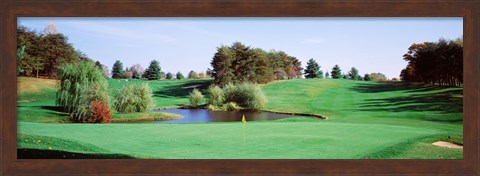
203, 115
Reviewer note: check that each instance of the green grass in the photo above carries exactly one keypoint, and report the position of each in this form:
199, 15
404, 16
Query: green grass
166, 93
143, 116
299, 140
365, 120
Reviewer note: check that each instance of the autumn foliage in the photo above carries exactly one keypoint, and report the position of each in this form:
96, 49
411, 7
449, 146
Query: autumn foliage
100, 112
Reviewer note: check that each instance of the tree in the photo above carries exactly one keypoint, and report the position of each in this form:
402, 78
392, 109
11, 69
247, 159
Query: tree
367, 77
320, 74
192, 75
20, 56
179, 76
80, 85
55, 50
50, 29
378, 77
98, 65
103, 69
262, 68
43, 53
106, 71
117, 70
327, 75
240, 63
221, 64
162, 75
209, 72
353, 74
128, 74
153, 71
169, 76
312, 70
280, 74
336, 72
137, 71
37, 64
201, 75
438, 63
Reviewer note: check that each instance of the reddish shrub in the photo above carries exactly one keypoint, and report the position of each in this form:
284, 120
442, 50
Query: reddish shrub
100, 113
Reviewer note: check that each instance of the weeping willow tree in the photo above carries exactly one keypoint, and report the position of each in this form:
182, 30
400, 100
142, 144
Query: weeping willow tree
80, 84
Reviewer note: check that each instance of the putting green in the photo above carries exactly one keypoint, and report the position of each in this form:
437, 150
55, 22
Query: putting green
261, 140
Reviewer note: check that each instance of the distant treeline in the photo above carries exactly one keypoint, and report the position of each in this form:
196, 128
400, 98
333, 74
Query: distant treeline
439, 63
239, 63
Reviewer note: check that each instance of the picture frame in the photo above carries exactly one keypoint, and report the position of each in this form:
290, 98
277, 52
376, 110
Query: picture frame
11, 10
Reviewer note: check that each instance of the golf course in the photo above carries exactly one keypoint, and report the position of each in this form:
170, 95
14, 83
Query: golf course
362, 120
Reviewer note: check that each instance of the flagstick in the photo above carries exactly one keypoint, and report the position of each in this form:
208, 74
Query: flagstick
244, 122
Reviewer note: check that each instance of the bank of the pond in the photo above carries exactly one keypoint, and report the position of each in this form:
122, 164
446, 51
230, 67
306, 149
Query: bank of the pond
143, 117
205, 116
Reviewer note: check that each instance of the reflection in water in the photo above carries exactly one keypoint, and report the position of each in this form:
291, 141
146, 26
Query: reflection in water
203, 115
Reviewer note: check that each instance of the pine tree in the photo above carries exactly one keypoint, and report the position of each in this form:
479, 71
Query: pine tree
336, 72
154, 70
117, 70
312, 69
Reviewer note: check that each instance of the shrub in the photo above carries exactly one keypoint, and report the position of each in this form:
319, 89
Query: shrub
211, 107
80, 84
100, 112
196, 97
231, 106
215, 96
134, 98
246, 95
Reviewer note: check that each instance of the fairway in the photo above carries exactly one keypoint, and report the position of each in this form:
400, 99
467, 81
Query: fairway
364, 120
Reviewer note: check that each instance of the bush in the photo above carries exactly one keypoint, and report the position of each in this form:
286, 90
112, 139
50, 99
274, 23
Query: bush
231, 106
215, 96
246, 95
80, 84
211, 107
134, 98
100, 113
195, 98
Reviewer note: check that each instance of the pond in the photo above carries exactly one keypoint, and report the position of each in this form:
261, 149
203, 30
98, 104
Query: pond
203, 115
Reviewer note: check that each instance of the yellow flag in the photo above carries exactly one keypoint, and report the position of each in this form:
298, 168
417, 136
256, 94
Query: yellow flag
243, 119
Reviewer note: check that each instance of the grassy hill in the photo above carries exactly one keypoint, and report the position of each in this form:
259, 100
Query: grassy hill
365, 120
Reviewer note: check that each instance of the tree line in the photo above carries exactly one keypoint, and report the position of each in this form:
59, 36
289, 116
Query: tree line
313, 71
439, 63
239, 63
41, 53
153, 72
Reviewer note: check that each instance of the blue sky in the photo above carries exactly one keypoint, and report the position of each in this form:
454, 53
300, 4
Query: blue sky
184, 44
